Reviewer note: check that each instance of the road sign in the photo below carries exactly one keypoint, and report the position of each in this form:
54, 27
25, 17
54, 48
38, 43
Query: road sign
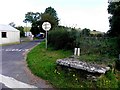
46, 26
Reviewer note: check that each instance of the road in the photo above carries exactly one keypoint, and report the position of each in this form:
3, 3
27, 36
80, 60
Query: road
15, 73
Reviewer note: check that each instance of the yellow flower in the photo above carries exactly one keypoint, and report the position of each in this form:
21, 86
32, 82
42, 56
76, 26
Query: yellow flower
73, 75
76, 79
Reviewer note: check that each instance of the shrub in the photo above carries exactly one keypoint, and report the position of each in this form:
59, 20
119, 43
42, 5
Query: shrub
61, 38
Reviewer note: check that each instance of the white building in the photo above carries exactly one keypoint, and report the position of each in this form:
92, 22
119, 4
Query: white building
28, 34
9, 34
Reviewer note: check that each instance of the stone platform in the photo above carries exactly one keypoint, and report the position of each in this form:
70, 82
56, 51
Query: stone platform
77, 64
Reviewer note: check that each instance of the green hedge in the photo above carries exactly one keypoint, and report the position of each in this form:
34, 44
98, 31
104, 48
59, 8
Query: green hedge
61, 38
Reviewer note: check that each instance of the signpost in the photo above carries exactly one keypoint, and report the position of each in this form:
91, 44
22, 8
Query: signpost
46, 26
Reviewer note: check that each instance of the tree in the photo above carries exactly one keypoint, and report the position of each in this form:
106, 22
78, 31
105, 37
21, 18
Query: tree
21, 29
37, 19
32, 17
51, 16
86, 32
46, 17
114, 19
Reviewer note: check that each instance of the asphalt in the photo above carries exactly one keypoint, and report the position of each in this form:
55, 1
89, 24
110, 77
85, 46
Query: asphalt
14, 64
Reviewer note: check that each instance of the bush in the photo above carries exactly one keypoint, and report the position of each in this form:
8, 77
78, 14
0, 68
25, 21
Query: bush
61, 38
107, 81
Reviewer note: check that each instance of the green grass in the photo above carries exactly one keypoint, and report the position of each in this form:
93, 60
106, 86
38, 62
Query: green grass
42, 63
99, 59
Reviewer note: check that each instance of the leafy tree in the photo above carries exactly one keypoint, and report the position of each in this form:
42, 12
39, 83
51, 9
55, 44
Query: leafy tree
32, 17
51, 16
51, 11
46, 17
86, 32
21, 29
114, 19
37, 19
34, 30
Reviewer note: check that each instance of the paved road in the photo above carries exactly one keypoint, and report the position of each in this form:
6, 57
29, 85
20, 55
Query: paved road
14, 67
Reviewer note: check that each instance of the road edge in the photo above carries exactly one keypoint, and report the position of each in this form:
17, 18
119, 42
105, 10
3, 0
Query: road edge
29, 71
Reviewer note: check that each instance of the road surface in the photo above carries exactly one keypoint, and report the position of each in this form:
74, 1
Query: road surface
15, 73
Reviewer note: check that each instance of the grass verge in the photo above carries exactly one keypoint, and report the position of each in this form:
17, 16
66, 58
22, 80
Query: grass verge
42, 63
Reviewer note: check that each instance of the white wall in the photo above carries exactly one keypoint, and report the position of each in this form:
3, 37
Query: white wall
11, 37
0, 38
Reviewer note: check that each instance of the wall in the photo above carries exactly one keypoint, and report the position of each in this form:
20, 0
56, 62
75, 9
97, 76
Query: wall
12, 37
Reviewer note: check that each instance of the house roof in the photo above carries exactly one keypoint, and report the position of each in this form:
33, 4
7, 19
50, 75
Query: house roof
8, 28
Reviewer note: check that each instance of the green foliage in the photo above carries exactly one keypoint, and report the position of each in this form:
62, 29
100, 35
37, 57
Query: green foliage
52, 13
61, 38
35, 30
37, 19
21, 29
42, 63
108, 81
65, 38
110, 75
32, 17
99, 45
46, 17
85, 32
114, 20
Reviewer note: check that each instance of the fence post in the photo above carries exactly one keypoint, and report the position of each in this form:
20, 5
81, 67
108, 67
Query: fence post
78, 53
75, 51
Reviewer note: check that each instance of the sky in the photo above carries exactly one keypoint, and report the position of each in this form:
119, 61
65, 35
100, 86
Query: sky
90, 14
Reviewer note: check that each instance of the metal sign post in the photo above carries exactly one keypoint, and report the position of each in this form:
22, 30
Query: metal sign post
46, 39
46, 26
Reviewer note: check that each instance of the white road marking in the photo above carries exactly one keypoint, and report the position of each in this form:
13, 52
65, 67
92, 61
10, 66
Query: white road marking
15, 50
13, 83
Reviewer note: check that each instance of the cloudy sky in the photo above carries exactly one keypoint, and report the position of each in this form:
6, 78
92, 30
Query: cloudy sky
90, 14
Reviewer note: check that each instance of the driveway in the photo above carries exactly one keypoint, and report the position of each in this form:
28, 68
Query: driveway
15, 73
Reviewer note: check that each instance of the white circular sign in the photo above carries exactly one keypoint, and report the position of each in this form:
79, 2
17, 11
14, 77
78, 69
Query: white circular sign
46, 26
